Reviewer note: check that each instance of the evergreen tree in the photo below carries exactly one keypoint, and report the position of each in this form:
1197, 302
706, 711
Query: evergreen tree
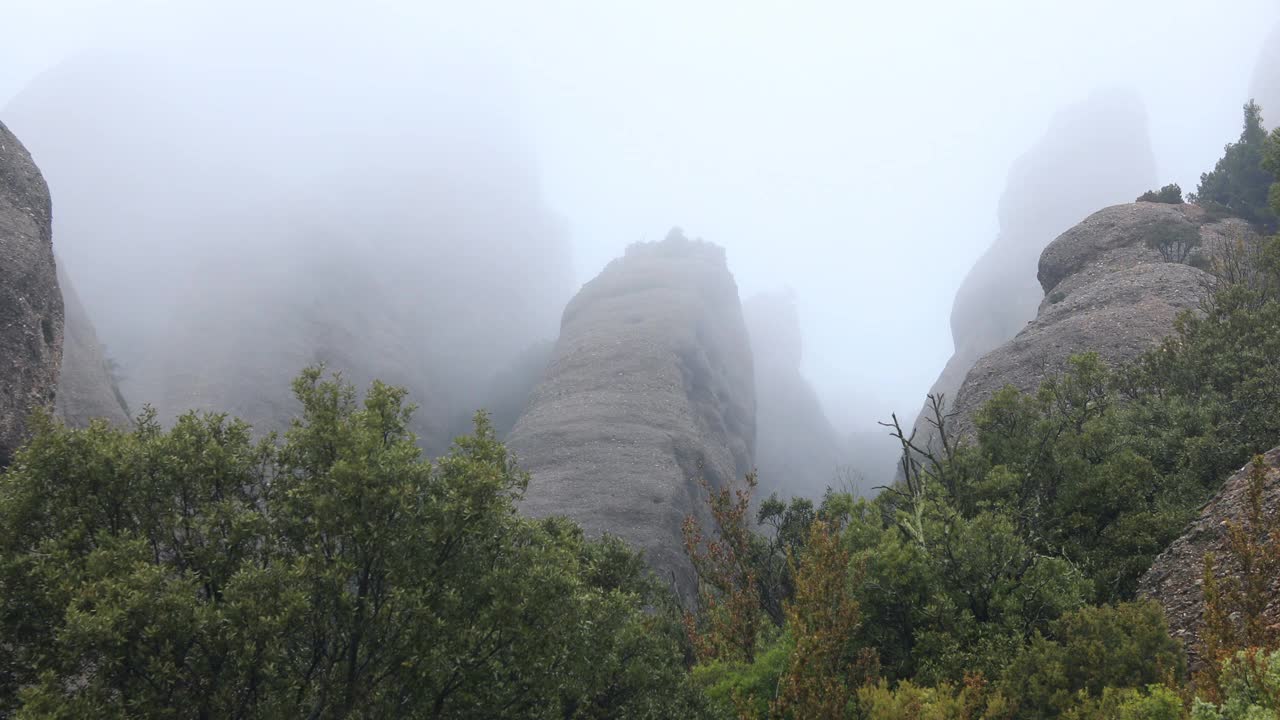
1239, 184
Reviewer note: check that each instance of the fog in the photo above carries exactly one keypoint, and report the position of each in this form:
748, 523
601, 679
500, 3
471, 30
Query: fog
849, 154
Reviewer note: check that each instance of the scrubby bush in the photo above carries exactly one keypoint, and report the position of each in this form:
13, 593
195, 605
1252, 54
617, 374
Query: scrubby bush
1169, 194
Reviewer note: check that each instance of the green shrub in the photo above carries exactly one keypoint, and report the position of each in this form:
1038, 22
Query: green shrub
1251, 681
193, 572
1090, 650
1169, 194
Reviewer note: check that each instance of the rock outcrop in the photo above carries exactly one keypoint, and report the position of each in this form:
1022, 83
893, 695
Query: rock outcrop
1265, 89
797, 450
1175, 579
31, 312
399, 235
650, 387
1051, 187
1107, 290
86, 388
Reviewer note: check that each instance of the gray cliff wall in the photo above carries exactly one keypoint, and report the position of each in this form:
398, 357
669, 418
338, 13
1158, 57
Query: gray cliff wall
798, 452
31, 313
650, 387
86, 388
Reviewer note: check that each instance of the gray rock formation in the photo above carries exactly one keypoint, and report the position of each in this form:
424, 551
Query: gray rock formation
797, 450
1106, 291
1175, 578
1265, 88
1096, 153
86, 388
650, 387
30, 302
399, 235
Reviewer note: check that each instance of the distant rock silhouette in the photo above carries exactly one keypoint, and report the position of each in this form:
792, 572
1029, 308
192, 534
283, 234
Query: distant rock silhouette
399, 235
1107, 292
649, 388
31, 313
1095, 153
797, 450
86, 388
1265, 89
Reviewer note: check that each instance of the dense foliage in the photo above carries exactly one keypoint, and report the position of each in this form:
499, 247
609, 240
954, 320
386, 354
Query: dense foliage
195, 573
1239, 184
1170, 194
998, 578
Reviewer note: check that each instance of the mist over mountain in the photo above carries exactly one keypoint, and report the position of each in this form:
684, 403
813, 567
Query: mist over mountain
1265, 88
798, 452
230, 232
1095, 153
478, 433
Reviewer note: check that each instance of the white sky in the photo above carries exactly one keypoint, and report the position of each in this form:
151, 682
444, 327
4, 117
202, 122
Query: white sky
852, 151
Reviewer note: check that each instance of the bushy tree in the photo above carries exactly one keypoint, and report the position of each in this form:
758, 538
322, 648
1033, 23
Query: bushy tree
727, 622
1271, 163
824, 670
1170, 194
1090, 650
1238, 183
1250, 688
195, 573
974, 699
1062, 464
1155, 702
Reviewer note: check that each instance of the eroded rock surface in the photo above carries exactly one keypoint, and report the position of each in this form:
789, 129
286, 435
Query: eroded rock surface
31, 312
650, 387
1053, 186
1107, 290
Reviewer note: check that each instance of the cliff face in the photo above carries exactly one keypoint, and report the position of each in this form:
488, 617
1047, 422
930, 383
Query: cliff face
798, 451
31, 313
649, 388
1175, 579
1106, 291
1051, 187
399, 235
86, 388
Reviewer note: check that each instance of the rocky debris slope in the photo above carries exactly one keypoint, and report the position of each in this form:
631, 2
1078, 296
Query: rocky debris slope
1175, 579
86, 388
1106, 291
1051, 187
30, 302
650, 387
798, 451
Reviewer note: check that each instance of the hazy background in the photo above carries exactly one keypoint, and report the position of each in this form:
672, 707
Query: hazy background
851, 152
